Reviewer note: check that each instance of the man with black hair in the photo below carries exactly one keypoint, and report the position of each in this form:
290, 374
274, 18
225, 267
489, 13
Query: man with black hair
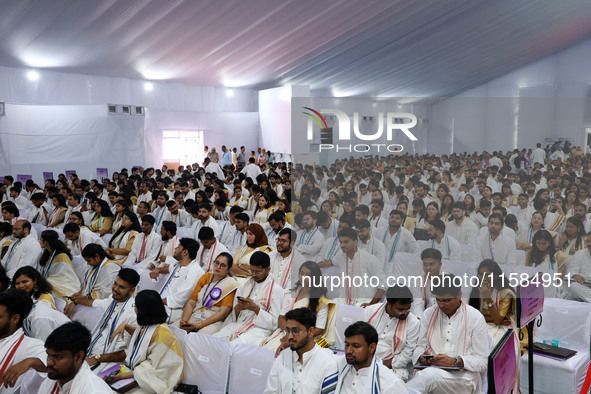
251, 170
160, 211
237, 238
305, 367
66, 370
276, 223
204, 220
369, 243
211, 249
25, 250
145, 246
118, 308
257, 305
180, 217
327, 225
310, 240
481, 217
19, 200
285, 260
553, 221
398, 329
448, 246
40, 208
455, 334
355, 263
168, 245
78, 238
493, 245
20, 353
396, 238
360, 371
331, 248
464, 230
182, 277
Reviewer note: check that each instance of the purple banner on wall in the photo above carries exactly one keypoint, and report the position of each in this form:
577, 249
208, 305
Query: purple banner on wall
47, 175
23, 178
1, 179
102, 173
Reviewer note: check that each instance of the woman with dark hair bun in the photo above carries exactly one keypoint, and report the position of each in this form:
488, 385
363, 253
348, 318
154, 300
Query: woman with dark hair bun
154, 355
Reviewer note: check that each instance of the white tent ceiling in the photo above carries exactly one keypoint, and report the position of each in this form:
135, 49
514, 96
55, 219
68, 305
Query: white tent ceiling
375, 47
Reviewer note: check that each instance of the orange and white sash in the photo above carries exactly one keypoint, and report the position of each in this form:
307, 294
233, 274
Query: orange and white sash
434, 338
9, 349
264, 304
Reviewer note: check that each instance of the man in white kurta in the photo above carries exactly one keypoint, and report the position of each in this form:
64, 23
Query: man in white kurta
369, 243
205, 220
360, 371
210, 249
580, 270
363, 277
181, 277
77, 238
310, 239
305, 367
397, 328
461, 228
423, 298
397, 239
68, 373
286, 261
42, 320
494, 245
17, 349
146, 246
256, 306
25, 250
449, 247
456, 335
118, 308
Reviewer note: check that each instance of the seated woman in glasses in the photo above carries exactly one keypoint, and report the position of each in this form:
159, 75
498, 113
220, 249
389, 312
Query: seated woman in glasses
212, 300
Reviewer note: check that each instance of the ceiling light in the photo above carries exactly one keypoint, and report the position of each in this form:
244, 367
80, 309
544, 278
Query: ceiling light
230, 92
148, 86
33, 75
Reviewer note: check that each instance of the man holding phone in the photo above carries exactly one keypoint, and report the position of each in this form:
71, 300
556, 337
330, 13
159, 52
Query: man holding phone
453, 336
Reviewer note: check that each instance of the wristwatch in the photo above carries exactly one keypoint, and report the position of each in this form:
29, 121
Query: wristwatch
97, 358
458, 362
490, 305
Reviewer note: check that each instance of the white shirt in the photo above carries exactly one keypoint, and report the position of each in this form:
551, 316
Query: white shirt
144, 250
280, 263
182, 282
251, 171
360, 265
356, 382
580, 264
466, 233
22, 252
449, 247
123, 313
375, 247
309, 243
406, 242
317, 372
538, 155
29, 347
503, 249
210, 222
42, 320
85, 238
207, 256
85, 382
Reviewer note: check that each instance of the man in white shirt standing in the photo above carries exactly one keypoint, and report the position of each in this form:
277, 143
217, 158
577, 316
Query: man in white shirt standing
538, 155
494, 245
25, 250
360, 371
251, 170
304, 368
461, 228
398, 329
455, 334
448, 246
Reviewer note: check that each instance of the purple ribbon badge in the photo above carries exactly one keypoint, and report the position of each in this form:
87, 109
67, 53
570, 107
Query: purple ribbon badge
214, 295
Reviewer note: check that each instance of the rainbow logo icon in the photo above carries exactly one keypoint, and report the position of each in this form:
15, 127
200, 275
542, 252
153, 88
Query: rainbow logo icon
317, 116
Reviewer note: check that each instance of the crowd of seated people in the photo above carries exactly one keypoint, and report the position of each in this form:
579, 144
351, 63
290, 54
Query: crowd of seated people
242, 248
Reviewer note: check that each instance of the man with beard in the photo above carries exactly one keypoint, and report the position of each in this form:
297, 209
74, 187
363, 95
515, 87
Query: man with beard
368, 242
168, 245
398, 239
118, 308
398, 329
310, 240
305, 367
285, 261
211, 249
160, 212
494, 245
25, 249
276, 224
182, 277
204, 220
360, 371
461, 228
448, 246
66, 370
19, 352
237, 237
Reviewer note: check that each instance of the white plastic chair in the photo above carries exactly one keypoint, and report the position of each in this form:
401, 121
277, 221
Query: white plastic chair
181, 335
184, 232
147, 283
246, 376
80, 267
412, 391
87, 315
107, 238
207, 361
569, 322
346, 315
39, 228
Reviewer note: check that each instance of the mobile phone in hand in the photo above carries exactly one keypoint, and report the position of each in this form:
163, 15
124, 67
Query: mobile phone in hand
241, 298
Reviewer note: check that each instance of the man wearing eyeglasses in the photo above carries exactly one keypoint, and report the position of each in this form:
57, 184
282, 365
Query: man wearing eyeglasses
285, 261
257, 305
305, 367
25, 250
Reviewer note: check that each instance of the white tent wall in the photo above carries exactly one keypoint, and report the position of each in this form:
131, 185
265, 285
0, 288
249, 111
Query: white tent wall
73, 101
546, 99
